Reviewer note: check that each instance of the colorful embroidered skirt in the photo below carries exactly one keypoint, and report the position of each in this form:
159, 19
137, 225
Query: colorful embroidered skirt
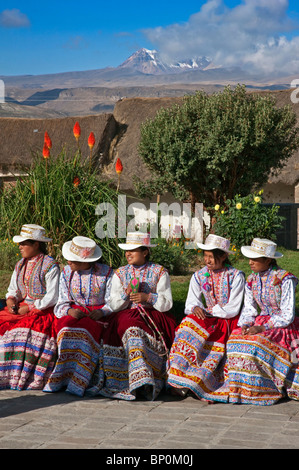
198, 354
133, 356
78, 342
263, 368
27, 349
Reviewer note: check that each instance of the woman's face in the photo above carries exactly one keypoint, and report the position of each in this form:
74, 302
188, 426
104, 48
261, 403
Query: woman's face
212, 263
137, 256
79, 266
29, 249
258, 265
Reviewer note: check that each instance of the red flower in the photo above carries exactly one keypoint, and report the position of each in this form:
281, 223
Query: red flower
77, 130
47, 140
46, 152
91, 140
118, 167
76, 181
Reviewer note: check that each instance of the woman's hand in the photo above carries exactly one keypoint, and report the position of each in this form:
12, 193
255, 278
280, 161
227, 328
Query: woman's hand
139, 297
199, 312
12, 306
252, 330
76, 313
96, 315
23, 309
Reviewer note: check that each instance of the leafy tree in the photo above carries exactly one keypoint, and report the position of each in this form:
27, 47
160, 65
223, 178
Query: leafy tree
212, 147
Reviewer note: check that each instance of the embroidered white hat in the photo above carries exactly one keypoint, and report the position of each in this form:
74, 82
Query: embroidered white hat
136, 240
214, 242
31, 232
81, 249
261, 247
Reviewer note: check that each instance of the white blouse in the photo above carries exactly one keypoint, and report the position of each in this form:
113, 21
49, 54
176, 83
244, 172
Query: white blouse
229, 310
287, 307
161, 300
49, 299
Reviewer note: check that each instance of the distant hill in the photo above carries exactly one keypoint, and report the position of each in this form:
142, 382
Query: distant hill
143, 74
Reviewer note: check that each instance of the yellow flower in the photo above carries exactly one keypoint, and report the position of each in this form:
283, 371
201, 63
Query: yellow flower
261, 192
239, 206
257, 199
222, 212
217, 207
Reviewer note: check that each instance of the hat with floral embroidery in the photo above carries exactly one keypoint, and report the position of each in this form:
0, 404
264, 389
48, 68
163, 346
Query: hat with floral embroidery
136, 240
214, 242
81, 249
31, 232
260, 248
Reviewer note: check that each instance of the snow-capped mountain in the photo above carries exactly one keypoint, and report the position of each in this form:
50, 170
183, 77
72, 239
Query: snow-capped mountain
149, 62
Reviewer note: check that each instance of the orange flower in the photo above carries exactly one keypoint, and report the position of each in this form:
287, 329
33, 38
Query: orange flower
77, 131
76, 181
47, 140
118, 167
46, 152
91, 140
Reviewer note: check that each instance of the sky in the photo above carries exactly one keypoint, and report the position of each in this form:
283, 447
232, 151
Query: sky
68, 35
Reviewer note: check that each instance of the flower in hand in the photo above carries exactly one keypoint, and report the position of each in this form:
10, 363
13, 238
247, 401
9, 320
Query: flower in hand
139, 297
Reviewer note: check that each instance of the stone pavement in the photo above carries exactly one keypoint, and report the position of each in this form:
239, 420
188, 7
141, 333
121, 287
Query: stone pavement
38, 420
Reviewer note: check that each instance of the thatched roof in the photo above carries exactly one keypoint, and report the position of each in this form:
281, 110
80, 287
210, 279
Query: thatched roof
20, 138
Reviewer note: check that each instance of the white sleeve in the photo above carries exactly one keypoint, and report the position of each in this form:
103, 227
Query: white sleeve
13, 290
63, 303
286, 313
119, 300
162, 299
194, 296
249, 310
233, 306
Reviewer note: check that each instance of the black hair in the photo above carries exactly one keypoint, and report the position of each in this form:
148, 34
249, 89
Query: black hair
218, 254
143, 248
42, 246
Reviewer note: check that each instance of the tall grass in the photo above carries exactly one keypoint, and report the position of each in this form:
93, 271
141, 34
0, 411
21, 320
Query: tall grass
61, 194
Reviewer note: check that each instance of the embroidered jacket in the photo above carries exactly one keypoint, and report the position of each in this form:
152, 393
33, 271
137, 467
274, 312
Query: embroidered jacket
220, 293
35, 281
84, 288
153, 279
273, 293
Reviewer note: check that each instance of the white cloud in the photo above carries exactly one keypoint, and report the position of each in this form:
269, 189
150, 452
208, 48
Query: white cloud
252, 35
13, 19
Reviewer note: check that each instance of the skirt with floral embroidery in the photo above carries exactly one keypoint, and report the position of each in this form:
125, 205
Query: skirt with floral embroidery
198, 354
263, 368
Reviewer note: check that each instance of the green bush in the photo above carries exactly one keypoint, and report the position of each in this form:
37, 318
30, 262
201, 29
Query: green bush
173, 256
60, 194
9, 255
245, 218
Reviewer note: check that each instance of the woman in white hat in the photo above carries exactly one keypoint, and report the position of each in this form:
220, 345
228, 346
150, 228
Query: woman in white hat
141, 330
27, 324
263, 352
81, 310
213, 304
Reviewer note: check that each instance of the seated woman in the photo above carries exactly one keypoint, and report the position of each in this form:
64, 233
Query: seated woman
81, 308
141, 330
197, 356
263, 353
27, 323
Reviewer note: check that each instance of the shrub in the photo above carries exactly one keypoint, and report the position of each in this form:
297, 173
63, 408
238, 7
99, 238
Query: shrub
245, 218
173, 256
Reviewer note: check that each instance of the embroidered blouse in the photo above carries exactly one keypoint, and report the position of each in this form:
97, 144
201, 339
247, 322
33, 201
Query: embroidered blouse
270, 293
153, 280
35, 281
219, 293
84, 288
